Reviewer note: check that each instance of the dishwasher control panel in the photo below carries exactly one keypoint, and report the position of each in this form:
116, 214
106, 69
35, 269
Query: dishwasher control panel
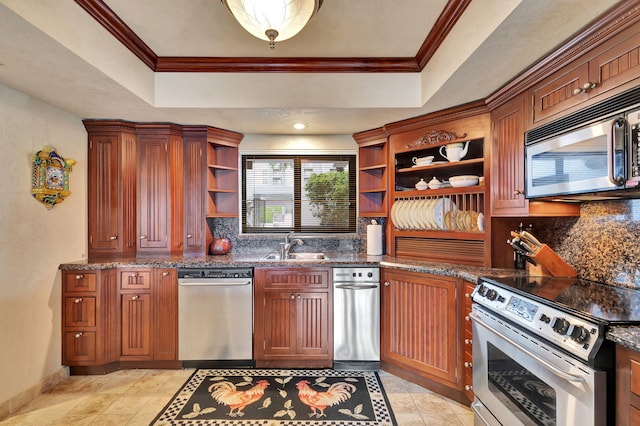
215, 272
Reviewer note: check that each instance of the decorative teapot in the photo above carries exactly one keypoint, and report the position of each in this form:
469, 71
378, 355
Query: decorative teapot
454, 152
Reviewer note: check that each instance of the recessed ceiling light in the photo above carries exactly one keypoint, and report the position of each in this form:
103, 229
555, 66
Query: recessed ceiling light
299, 126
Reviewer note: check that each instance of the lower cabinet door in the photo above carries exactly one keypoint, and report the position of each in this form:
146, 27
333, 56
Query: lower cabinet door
420, 323
136, 325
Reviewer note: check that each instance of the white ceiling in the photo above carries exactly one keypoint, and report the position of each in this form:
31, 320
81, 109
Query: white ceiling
53, 50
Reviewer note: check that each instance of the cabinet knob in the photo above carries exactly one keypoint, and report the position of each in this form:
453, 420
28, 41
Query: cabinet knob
468, 387
78, 335
164, 274
585, 87
143, 237
518, 192
135, 274
467, 295
78, 300
79, 277
135, 297
189, 236
467, 318
387, 283
468, 364
468, 341
293, 296
299, 297
113, 237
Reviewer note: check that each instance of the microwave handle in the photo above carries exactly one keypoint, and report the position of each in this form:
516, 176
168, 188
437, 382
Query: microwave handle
615, 125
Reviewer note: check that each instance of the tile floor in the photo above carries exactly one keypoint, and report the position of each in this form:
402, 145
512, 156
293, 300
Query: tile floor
135, 397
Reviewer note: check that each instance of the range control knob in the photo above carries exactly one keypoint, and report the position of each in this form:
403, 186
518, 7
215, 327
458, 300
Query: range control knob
492, 295
482, 290
560, 325
579, 334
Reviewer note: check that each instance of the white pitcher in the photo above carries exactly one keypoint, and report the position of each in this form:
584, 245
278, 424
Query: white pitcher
454, 151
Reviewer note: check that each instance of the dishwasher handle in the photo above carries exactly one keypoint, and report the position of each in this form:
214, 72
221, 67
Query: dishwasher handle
356, 287
216, 282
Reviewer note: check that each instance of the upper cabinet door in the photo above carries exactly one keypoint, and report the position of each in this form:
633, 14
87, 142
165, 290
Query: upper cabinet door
507, 160
559, 92
195, 236
153, 193
112, 193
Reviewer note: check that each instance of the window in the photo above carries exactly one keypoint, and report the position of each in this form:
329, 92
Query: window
298, 193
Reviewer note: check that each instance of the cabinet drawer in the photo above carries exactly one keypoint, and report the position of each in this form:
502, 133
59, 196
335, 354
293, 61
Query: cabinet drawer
299, 279
135, 279
80, 311
80, 346
79, 281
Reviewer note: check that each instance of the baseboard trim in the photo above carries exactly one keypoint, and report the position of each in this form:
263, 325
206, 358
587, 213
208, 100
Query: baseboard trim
13, 404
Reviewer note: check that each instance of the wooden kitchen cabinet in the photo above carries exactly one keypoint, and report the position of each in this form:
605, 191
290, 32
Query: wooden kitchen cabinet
446, 224
507, 168
89, 326
149, 314
160, 191
195, 190
152, 186
627, 386
373, 154
222, 175
111, 188
422, 331
292, 317
607, 69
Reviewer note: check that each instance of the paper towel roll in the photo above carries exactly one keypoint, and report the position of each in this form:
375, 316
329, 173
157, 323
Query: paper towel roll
374, 239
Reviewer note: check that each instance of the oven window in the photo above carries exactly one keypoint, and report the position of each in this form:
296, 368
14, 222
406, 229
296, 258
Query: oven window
523, 393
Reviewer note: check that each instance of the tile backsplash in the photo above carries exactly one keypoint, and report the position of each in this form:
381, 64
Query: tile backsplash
256, 243
602, 244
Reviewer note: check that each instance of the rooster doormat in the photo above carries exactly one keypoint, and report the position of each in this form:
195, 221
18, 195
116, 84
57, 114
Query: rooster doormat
258, 397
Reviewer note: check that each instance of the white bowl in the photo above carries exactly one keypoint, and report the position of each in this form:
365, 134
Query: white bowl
465, 180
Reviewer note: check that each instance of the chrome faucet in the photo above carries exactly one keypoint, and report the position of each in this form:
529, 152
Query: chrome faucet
285, 248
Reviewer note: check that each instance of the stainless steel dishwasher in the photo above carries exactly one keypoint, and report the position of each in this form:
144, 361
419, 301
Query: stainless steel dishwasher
215, 317
356, 318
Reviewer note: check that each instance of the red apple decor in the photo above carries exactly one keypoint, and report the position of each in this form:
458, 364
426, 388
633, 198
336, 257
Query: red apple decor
220, 246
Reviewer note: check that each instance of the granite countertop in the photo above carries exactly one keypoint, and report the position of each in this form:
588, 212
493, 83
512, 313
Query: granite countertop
625, 335
469, 273
628, 336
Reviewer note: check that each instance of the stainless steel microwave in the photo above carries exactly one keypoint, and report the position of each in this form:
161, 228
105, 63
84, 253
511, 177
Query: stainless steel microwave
590, 160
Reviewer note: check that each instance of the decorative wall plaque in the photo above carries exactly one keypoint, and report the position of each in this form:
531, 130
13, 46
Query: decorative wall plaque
50, 176
435, 136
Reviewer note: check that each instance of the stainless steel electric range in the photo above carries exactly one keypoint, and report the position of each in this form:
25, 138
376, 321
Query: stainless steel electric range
540, 356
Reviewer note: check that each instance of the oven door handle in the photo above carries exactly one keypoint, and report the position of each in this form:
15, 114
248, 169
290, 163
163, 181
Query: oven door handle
555, 370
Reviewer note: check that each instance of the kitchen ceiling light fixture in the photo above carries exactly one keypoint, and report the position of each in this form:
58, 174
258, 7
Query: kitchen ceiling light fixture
273, 19
299, 126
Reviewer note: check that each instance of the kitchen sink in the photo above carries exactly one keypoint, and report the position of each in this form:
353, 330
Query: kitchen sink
297, 256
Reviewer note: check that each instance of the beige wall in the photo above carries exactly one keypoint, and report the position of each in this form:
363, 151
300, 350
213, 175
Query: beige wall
34, 240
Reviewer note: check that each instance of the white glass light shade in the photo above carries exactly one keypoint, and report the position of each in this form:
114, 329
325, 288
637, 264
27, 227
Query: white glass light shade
287, 17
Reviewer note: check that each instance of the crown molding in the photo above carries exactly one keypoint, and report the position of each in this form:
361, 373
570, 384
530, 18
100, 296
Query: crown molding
119, 29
